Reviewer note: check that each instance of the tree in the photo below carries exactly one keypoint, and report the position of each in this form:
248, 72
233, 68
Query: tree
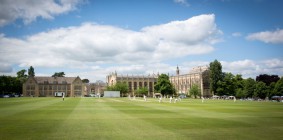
260, 90
278, 88
85, 81
10, 85
31, 71
164, 86
195, 91
142, 91
21, 74
58, 74
119, 86
215, 75
267, 79
227, 86
249, 86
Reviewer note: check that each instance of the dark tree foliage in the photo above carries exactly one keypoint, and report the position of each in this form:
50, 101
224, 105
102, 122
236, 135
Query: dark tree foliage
267, 79
215, 74
164, 86
85, 81
58, 74
31, 71
10, 85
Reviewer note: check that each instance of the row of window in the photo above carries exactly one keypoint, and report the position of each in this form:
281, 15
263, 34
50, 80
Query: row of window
53, 87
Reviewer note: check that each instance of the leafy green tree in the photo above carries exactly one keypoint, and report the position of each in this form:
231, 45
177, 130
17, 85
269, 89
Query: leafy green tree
119, 86
240, 93
227, 86
21, 74
249, 86
142, 91
278, 88
215, 75
260, 90
164, 86
31, 71
195, 91
58, 74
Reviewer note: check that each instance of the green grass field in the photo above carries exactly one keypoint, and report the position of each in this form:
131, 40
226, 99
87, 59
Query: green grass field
120, 118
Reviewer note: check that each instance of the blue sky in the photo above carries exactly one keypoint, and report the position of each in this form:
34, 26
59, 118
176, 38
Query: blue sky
93, 38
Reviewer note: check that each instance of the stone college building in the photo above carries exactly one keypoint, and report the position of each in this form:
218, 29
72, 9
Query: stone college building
182, 83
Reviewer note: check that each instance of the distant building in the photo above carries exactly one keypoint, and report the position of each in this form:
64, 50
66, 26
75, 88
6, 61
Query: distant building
198, 76
48, 86
95, 88
182, 83
134, 81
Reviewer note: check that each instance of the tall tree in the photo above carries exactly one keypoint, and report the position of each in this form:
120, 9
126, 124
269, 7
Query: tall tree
31, 71
215, 75
195, 91
58, 74
260, 90
249, 86
164, 86
227, 86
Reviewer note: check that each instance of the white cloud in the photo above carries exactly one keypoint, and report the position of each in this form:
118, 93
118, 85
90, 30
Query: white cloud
30, 10
236, 34
251, 68
182, 2
94, 44
274, 37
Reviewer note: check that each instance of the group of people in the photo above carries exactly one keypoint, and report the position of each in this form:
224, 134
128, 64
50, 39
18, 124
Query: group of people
170, 99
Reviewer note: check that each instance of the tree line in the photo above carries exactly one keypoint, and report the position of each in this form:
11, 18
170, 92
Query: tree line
225, 83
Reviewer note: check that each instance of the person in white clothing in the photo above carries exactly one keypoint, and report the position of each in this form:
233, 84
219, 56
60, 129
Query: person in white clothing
171, 99
63, 96
144, 97
175, 100
202, 99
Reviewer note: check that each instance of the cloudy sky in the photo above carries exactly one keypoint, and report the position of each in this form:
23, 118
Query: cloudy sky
93, 38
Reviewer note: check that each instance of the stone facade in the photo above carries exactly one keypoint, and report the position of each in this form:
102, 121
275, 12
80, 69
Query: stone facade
198, 76
95, 88
134, 82
182, 83
47, 86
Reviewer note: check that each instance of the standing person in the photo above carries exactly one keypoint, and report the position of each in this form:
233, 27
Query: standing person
171, 99
160, 99
63, 96
202, 99
144, 97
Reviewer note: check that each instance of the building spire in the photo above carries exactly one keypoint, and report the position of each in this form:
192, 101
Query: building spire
177, 70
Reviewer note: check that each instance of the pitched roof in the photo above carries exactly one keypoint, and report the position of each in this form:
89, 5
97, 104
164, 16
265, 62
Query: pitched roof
60, 80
